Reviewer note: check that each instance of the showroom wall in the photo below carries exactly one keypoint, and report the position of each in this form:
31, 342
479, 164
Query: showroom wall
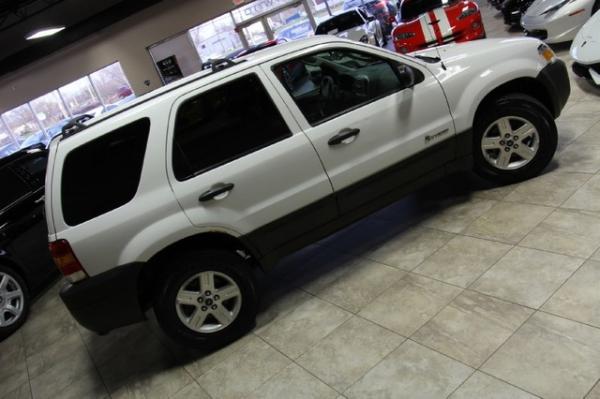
125, 41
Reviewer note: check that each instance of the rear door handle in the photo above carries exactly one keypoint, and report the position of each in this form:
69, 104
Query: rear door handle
218, 192
343, 137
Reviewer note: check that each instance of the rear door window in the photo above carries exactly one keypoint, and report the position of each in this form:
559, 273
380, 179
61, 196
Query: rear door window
103, 174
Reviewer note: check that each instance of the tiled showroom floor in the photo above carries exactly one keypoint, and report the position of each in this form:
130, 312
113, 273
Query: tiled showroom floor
461, 290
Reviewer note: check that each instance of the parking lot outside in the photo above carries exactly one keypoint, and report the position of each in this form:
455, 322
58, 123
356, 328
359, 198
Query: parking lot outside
462, 290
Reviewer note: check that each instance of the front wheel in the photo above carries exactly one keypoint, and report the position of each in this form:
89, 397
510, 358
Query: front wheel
207, 299
514, 139
14, 301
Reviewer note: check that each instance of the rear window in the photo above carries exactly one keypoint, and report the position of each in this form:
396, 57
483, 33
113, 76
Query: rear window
340, 23
412, 9
104, 174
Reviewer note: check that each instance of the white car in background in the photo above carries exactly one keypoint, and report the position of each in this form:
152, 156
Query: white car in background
585, 50
556, 21
355, 25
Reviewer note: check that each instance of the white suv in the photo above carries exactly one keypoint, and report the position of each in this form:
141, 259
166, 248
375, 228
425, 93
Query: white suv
170, 202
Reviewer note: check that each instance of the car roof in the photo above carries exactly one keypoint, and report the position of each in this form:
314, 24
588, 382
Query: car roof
21, 153
240, 64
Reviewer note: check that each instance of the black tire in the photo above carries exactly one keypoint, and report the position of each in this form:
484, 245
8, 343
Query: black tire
5, 332
529, 109
596, 7
185, 267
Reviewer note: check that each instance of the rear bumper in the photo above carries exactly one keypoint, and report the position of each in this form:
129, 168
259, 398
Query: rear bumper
106, 301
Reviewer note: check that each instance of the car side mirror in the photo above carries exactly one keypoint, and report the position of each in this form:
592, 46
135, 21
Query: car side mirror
407, 76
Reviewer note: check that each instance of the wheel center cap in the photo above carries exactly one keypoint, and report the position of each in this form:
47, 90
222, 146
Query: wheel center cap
209, 302
509, 143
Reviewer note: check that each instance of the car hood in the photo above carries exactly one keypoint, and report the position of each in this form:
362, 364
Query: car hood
586, 45
539, 6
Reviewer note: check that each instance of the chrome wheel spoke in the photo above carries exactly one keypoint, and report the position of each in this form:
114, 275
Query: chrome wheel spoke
525, 131
3, 319
525, 152
490, 143
504, 126
231, 291
188, 297
222, 315
504, 158
207, 281
13, 294
3, 282
198, 318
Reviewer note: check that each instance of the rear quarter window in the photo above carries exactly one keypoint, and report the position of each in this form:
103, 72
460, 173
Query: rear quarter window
103, 174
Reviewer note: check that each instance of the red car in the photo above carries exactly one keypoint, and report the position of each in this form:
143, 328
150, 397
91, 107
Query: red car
428, 23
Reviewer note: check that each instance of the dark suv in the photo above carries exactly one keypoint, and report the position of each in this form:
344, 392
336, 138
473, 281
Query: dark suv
25, 262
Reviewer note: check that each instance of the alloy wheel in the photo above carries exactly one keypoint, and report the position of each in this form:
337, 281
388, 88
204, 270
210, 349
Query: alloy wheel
510, 143
12, 300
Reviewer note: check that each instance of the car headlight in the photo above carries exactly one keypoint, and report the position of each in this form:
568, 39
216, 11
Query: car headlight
404, 35
467, 11
546, 53
364, 39
556, 7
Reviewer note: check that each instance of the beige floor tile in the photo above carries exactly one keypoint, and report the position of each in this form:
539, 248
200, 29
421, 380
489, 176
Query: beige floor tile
72, 378
456, 217
12, 375
55, 325
483, 386
527, 276
595, 392
409, 248
411, 371
325, 268
581, 158
550, 357
293, 383
364, 235
46, 358
585, 108
191, 391
462, 260
410, 303
596, 255
306, 325
244, 371
579, 298
346, 354
199, 366
472, 327
591, 135
550, 189
155, 384
22, 392
586, 197
497, 193
274, 306
362, 282
508, 222
571, 128
566, 232
12, 351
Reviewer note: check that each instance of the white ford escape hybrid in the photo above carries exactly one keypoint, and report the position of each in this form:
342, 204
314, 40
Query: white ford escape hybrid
170, 202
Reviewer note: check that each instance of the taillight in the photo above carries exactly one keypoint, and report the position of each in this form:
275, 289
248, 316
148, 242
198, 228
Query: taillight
66, 261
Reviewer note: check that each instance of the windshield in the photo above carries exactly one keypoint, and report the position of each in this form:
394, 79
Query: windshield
340, 23
411, 9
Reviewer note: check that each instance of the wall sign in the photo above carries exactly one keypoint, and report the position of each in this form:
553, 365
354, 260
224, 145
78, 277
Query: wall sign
169, 69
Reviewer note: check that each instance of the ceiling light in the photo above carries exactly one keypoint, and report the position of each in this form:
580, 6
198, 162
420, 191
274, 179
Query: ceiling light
44, 32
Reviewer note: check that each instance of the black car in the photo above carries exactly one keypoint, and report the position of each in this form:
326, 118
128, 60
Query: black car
512, 10
25, 262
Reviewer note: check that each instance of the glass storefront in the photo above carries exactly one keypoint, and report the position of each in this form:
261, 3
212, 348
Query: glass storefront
44, 117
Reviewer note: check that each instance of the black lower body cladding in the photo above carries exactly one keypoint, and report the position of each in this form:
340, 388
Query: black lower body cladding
555, 79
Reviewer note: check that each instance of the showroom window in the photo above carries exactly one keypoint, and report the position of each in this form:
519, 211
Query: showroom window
22, 123
216, 38
104, 174
329, 83
6, 139
112, 85
50, 111
223, 124
81, 98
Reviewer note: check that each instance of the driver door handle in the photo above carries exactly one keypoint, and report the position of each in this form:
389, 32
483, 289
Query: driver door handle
217, 192
342, 136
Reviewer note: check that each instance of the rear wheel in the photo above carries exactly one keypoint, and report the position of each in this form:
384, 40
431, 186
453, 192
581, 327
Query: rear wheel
514, 139
207, 300
14, 301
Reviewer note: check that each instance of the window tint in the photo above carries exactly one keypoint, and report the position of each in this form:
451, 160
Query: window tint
329, 83
13, 187
224, 123
103, 174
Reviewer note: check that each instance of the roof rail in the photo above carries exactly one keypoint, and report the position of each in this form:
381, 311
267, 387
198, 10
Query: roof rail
222, 63
75, 125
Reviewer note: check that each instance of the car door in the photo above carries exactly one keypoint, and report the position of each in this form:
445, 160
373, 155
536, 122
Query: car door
239, 163
370, 126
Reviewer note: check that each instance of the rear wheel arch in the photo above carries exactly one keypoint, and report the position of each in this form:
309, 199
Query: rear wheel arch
154, 268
